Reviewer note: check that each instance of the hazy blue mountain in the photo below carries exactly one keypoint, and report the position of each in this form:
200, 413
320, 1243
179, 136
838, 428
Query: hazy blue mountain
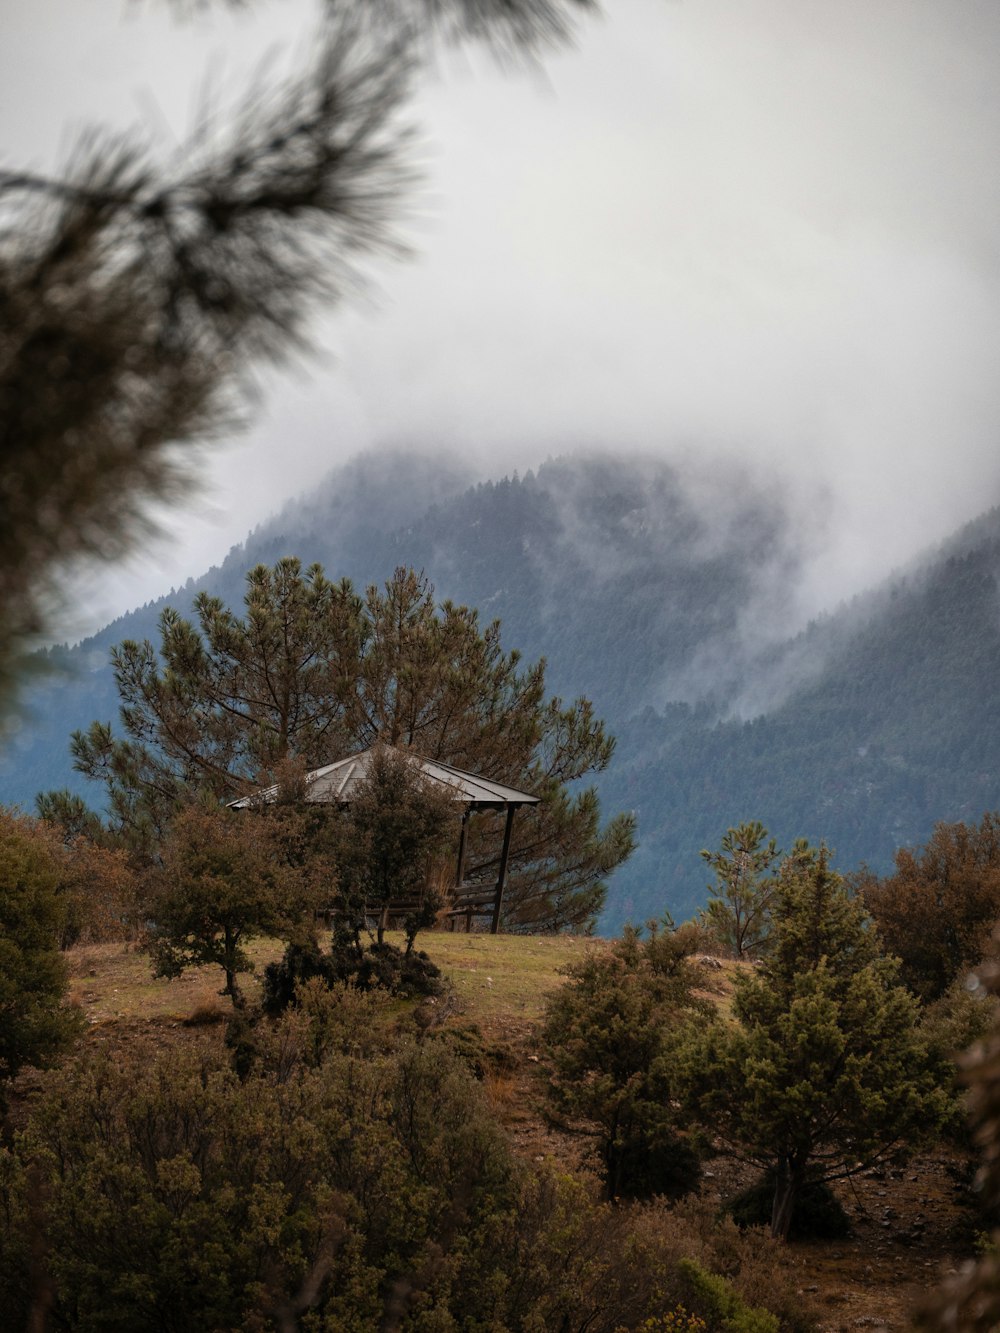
605, 567
348, 524
896, 728
643, 589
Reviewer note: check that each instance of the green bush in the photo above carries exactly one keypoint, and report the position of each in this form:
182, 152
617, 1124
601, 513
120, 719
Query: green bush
949, 1025
721, 1307
610, 1032
482, 1056
654, 1160
349, 1180
35, 1025
173, 1195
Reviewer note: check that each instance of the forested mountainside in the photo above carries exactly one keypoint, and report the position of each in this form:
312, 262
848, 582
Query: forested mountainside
878, 721
607, 568
899, 727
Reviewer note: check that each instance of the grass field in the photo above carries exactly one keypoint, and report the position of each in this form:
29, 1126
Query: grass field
494, 977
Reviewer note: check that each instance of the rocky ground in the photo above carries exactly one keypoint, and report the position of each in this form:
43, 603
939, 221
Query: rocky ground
909, 1227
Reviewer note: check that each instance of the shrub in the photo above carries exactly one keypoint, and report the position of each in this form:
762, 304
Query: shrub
35, 1025
379, 967
723, 1308
677, 1320
610, 1031
761, 1273
170, 1194
937, 910
656, 1160
205, 1016
352, 1179
485, 1059
950, 1025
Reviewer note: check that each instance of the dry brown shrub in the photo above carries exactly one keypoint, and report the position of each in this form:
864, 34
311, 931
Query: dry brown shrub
499, 1089
205, 1016
758, 1268
103, 895
607, 1267
99, 889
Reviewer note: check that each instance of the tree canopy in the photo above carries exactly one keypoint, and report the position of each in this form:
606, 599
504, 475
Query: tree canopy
937, 910
223, 879
397, 827
313, 671
738, 911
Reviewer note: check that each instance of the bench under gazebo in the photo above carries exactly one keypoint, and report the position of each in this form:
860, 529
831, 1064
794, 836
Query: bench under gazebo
333, 784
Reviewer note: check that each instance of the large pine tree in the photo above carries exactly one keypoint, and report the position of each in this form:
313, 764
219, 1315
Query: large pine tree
313, 671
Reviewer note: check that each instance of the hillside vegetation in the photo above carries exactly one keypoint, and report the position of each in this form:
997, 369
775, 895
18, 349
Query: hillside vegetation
907, 1224
504, 1132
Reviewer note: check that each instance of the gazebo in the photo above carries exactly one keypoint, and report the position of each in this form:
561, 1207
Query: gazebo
333, 784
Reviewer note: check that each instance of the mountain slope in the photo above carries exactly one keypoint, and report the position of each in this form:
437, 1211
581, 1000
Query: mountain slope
871, 725
897, 729
605, 567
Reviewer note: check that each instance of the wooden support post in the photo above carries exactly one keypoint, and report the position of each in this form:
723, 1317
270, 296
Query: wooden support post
460, 868
502, 877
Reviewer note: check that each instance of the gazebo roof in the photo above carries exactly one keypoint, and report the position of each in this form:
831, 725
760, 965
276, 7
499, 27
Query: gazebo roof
333, 784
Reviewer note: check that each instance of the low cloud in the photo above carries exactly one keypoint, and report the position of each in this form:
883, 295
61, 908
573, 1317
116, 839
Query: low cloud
761, 237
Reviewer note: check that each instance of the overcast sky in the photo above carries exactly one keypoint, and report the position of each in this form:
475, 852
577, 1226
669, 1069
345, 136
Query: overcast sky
762, 228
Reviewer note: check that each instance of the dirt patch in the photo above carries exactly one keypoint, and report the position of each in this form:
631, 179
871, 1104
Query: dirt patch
909, 1226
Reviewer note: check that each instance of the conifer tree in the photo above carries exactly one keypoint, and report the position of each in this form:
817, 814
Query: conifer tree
609, 1031
823, 1070
738, 911
313, 672
35, 1025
